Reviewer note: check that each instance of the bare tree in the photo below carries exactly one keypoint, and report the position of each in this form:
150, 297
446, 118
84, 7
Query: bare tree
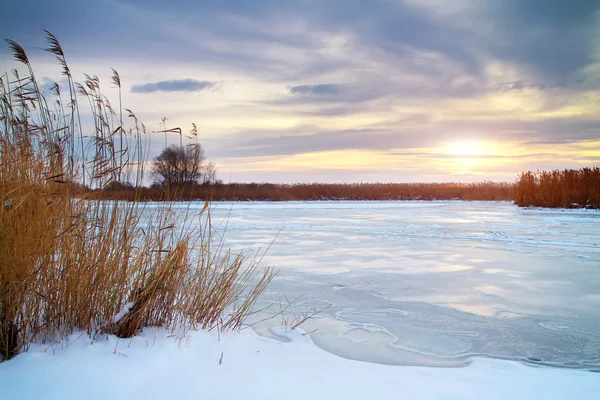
210, 174
182, 165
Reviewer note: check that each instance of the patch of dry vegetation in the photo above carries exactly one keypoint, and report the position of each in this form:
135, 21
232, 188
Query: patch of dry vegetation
322, 191
69, 262
569, 188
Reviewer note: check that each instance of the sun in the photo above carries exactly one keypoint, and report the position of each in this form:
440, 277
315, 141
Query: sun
466, 156
466, 148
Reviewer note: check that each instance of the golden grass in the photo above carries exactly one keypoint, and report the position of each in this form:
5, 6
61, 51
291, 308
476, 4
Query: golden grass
68, 262
567, 189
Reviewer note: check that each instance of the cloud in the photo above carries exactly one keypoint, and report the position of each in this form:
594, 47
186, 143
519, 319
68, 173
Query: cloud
553, 37
410, 133
522, 85
316, 89
320, 141
177, 85
343, 74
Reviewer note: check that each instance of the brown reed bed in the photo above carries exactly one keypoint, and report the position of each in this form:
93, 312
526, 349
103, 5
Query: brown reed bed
494, 191
569, 188
71, 261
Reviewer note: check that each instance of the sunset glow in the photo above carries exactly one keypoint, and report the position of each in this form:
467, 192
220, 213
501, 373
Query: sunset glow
467, 148
348, 95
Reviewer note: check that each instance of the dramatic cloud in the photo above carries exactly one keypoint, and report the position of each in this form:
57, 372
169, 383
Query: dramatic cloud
315, 89
178, 85
315, 81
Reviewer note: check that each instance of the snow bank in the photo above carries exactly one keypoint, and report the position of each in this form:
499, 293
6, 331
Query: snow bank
158, 365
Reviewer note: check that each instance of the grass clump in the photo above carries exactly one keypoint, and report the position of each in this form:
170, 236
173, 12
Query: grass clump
68, 261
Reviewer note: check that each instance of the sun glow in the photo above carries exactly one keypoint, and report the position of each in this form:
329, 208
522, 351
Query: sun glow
466, 156
466, 148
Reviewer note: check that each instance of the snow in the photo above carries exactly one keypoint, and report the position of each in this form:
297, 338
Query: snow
160, 365
502, 294
123, 312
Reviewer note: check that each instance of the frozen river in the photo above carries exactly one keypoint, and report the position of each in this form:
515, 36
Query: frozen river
433, 283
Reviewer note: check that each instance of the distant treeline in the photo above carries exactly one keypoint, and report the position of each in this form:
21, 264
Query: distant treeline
555, 189
317, 191
569, 188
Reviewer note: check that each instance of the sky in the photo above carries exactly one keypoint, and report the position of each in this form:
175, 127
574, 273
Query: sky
342, 90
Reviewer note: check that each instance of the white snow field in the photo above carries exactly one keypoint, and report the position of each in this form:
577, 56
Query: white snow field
155, 366
509, 297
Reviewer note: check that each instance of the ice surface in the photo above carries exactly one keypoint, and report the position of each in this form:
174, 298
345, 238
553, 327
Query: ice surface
434, 283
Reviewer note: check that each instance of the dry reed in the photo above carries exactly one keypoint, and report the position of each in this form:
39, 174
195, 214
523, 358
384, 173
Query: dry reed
566, 189
320, 191
68, 261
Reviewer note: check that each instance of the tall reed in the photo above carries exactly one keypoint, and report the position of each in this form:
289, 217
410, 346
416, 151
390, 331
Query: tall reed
70, 262
568, 188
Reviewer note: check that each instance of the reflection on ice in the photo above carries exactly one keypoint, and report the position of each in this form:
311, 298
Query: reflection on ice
434, 283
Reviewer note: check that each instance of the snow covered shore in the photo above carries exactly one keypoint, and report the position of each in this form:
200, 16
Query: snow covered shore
159, 365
